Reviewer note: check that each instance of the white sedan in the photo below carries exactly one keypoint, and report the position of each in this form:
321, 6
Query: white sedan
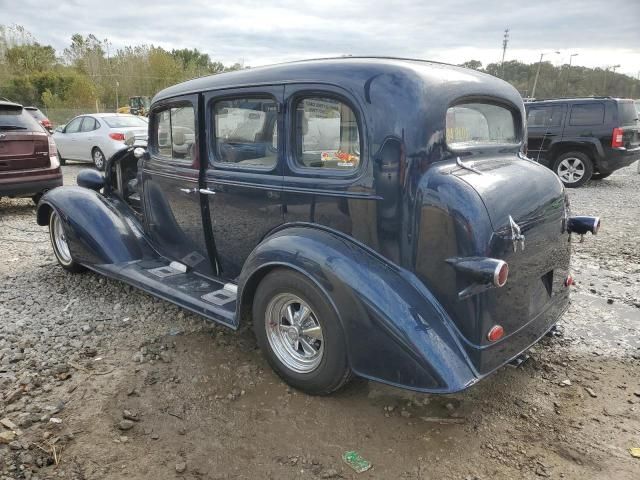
96, 137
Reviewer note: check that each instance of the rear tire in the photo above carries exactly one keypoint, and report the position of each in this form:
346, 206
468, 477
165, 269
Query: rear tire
600, 176
60, 245
299, 333
573, 168
98, 158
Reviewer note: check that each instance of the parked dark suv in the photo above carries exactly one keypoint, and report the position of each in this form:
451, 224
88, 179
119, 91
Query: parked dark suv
29, 164
583, 138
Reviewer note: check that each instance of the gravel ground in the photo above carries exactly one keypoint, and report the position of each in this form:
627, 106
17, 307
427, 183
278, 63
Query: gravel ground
100, 381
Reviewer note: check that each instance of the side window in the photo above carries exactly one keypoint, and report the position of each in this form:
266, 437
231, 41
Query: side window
326, 134
246, 132
88, 124
544, 116
74, 125
175, 132
587, 114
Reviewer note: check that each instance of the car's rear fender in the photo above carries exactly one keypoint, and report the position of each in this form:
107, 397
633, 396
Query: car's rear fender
396, 331
98, 230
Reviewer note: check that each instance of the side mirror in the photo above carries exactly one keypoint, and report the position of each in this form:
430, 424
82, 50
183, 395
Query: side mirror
90, 179
60, 129
139, 152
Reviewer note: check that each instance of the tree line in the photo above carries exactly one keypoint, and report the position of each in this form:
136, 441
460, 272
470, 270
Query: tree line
561, 81
90, 74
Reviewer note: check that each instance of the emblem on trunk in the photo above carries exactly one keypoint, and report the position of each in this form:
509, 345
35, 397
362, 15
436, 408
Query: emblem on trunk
2, 135
516, 236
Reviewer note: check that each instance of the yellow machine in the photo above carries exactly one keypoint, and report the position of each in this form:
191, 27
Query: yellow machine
137, 106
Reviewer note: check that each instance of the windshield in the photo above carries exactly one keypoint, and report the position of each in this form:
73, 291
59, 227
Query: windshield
17, 118
478, 124
122, 121
628, 113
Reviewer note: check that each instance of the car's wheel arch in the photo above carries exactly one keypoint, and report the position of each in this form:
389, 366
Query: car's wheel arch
395, 331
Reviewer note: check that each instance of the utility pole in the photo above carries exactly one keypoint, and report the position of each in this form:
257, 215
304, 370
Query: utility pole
505, 42
604, 85
566, 89
535, 81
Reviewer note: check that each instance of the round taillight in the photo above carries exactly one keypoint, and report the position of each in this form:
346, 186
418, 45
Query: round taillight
500, 274
495, 333
569, 281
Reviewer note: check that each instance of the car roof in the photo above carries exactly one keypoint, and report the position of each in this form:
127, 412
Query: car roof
9, 104
575, 99
350, 71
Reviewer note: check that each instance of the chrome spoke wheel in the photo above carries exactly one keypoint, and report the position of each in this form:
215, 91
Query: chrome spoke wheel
60, 240
571, 170
294, 333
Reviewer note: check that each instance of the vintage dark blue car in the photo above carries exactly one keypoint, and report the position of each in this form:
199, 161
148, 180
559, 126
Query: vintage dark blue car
370, 216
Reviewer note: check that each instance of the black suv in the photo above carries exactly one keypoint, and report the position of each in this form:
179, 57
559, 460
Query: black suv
583, 138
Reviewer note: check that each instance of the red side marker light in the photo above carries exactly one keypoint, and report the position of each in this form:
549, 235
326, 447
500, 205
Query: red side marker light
569, 281
495, 334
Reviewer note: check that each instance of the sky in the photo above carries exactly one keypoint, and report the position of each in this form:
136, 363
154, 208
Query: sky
260, 32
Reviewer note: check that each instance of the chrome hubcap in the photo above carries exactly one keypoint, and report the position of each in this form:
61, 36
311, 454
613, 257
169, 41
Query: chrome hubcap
98, 159
294, 333
571, 170
60, 240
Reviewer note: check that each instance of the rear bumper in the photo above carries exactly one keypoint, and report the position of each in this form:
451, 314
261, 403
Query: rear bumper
617, 158
490, 357
26, 184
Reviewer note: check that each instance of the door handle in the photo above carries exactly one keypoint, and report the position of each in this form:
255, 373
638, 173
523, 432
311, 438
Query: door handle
206, 191
188, 190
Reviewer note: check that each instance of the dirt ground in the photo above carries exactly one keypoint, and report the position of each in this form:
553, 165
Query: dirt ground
106, 382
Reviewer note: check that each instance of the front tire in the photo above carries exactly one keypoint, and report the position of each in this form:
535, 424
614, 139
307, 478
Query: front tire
98, 158
573, 168
60, 245
299, 332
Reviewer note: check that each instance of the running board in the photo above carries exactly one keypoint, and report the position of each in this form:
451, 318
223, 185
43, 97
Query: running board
172, 281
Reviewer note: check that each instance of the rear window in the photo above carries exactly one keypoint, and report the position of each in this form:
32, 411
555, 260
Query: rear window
480, 124
123, 122
35, 113
587, 114
17, 118
627, 113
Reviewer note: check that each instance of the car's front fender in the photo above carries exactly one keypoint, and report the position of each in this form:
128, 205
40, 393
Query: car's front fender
395, 330
98, 230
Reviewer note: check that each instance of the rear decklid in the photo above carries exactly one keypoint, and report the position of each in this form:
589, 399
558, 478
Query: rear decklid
520, 194
24, 144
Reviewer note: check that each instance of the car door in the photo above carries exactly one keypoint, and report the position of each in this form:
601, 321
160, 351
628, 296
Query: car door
544, 125
85, 138
170, 182
243, 174
327, 178
67, 141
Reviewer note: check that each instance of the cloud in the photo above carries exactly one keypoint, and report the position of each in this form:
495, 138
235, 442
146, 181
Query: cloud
259, 33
